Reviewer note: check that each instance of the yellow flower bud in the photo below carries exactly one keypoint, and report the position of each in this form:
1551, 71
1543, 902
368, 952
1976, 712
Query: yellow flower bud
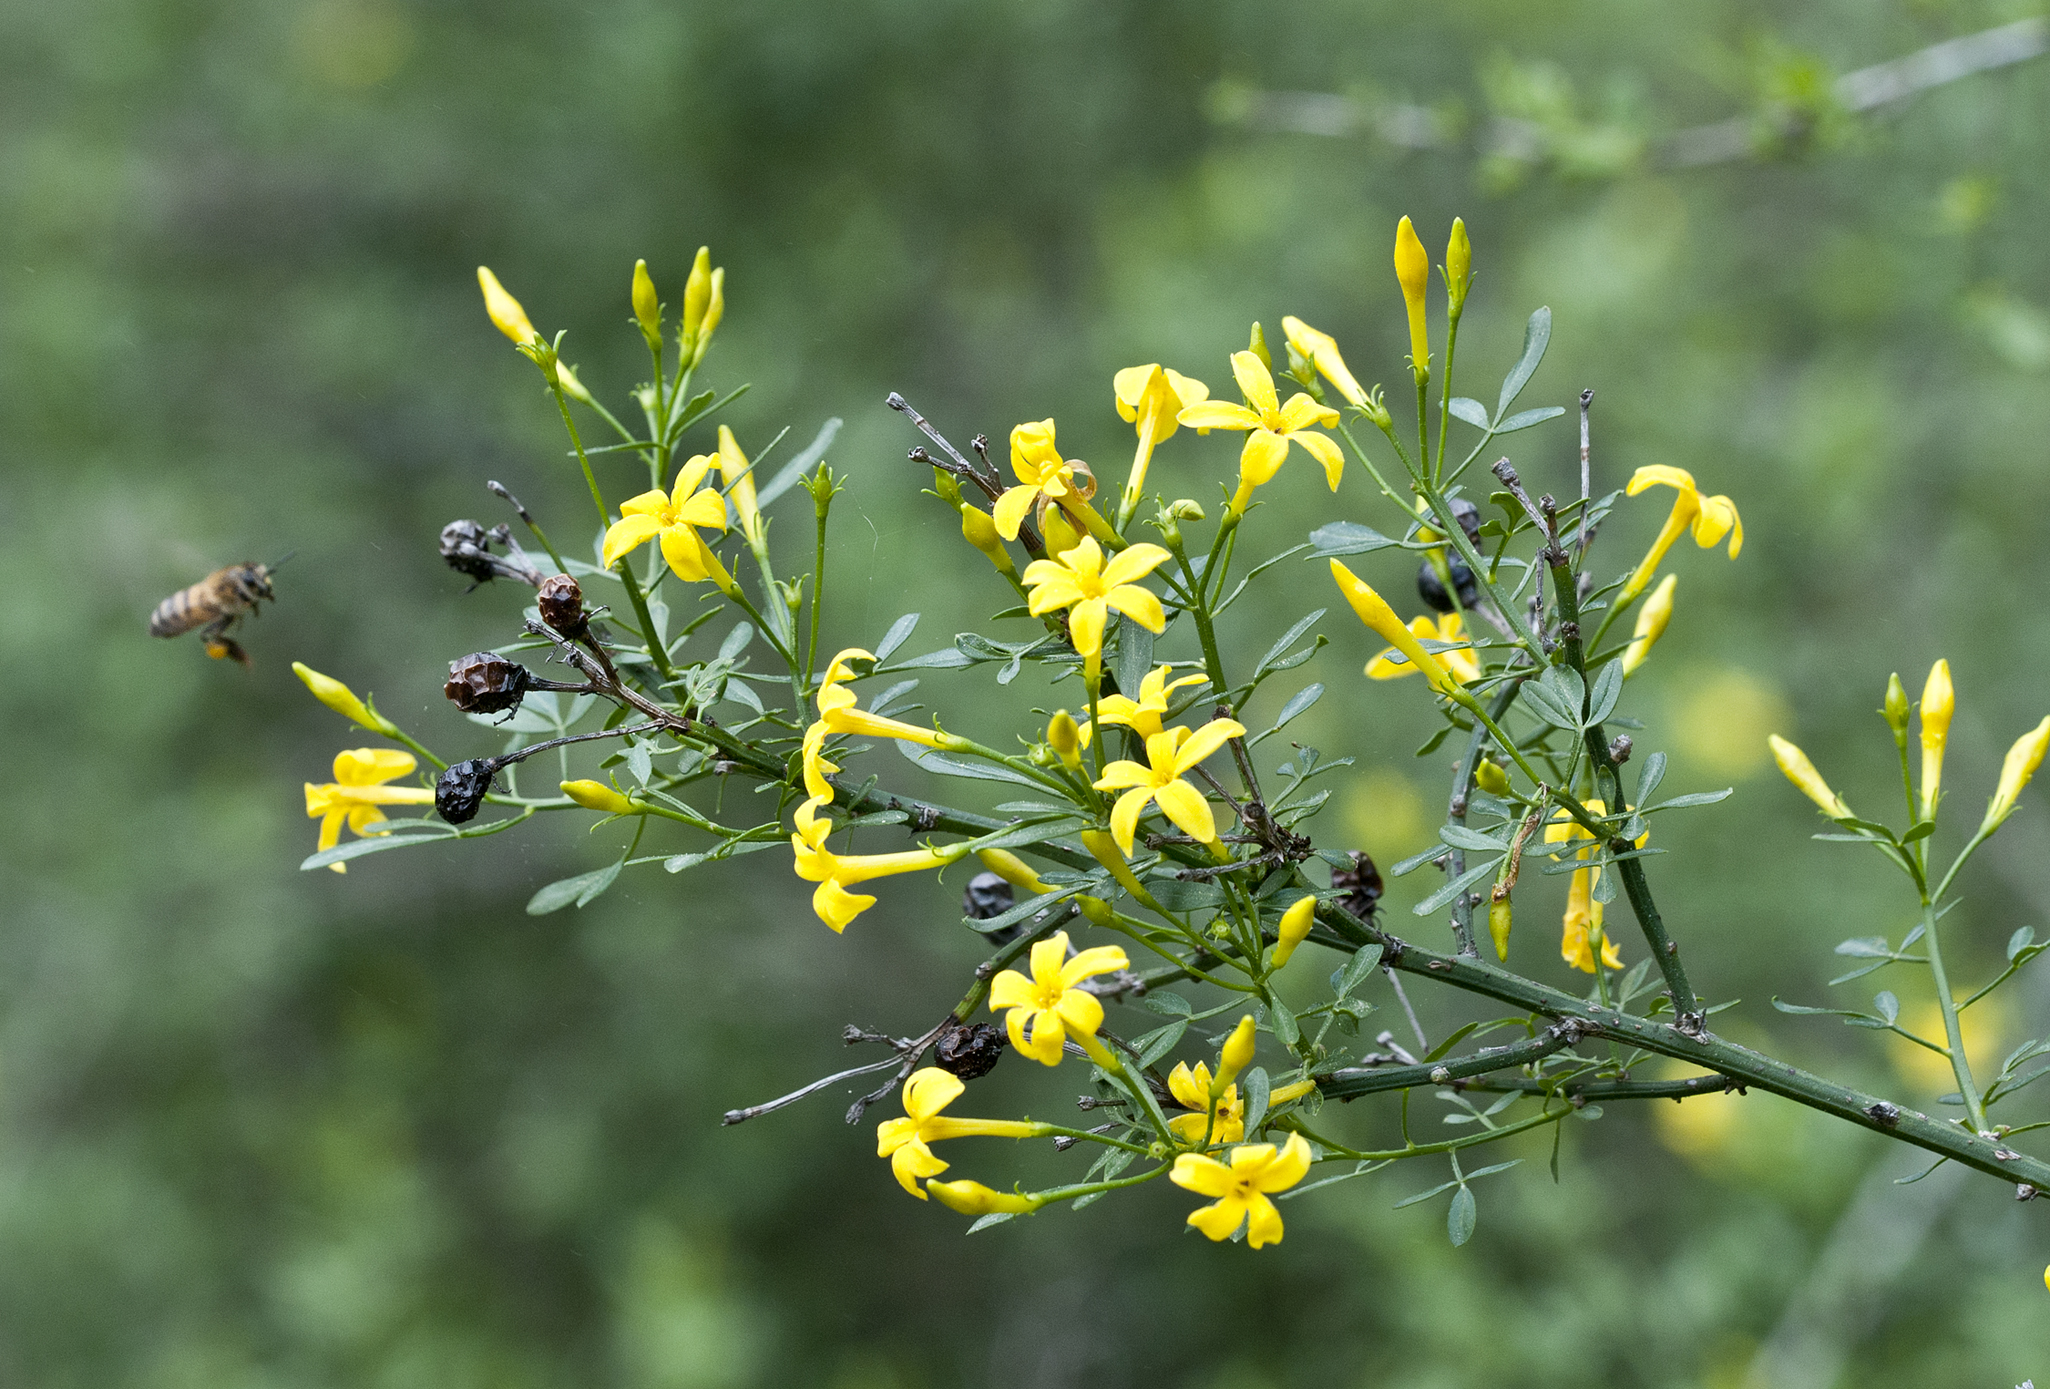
1458, 266
973, 1198
714, 311
1235, 1057
1895, 709
1938, 703
1498, 923
572, 387
1295, 928
1373, 610
505, 310
1258, 347
647, 307
1064, 737
1491, 778
596, 795
697, 293
1061, 535
1413, 270
979, 529
2022, 760
1187, 509
340, 698
1651, 623
740, 484
1012, 869
1799, 770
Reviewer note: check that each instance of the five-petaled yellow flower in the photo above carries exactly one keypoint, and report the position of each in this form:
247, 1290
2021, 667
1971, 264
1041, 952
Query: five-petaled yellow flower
1711, 518
1171, 755
903, 1141
815, 863
1041, 472
1090, 589
676, 517
1047, 1009
1459, 662
358, 790
838, 714
1271, 427
1583, 914
1149, 398
1242, 1188
1190, 1087
1143, 715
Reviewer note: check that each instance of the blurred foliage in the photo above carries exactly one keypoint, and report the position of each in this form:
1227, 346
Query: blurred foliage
264, 1128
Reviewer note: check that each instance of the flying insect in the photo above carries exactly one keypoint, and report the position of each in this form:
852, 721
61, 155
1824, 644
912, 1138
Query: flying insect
215, 604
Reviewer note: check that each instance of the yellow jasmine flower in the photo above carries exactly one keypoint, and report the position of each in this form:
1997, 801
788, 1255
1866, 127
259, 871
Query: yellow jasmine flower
1060, 533
1090, 589
1041, 471
1798, 769
1191, 1089
506, 313
1938, 703
1321, 349
1710, 517
676, 518
596, 795
739, 478
837, 712
1651, 623
1149, 398
1237, 1052
1413, 271
1012, 869
1271, 427
1046, 1009
815, 863
1583, 913
973, 1198
343, 700
1143, 715
1242, 1188
1295, 928
816, 767
1171, 755
358, 790
1373, 610
903, 1141
2022, 760
1460, 662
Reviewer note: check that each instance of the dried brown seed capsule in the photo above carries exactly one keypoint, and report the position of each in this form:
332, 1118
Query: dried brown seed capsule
1361, 884
461, 790
970, 1052
562, 606
485, 683
466, 546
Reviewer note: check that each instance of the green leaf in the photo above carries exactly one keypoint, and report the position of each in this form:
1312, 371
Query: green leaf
1416, 861
1300, 701
1135, 655
1887, 1006
1920, 830
2019, 941
1608, 688
432, 832
1425, 1195
1649, 776
1461, 1218
1255, 1091
580, 889
1564, 684
942, 765
899, 633
798, 466
1168, 1005
1179, 896
1288, 639
1692, 799
1472, 411
1547, 706
1458, 885
1346, 538
946, 658
1459, 1035
1460, 837
1355, 971
988, 1220
1431, 744
1284, 1023
1524, 419
1159, 1042
736, 640
1537, 333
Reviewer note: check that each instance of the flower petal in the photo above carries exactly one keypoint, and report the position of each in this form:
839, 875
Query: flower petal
1097, 959
1133, 563
1217, 414
1659, 475
1184, 804
1206, 740
1085, 626
1256, 383
1325, 450
1301, 412
1047, 958
929, 1091
1116, 777
1142, 605
912, 1161
627, 534
1011, 508
1124, 816
369, 766
1287, 1168
1205, 1176
1047, 1039
646, 504
690, 477
706, 508
1218, 1221
1263, 1222
1080, 1012
1262, 457
685, 554
1009, 989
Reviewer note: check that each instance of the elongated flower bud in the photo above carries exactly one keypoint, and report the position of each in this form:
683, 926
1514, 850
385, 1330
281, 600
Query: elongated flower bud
1257, 345
1458, 266
1651, 623
1236, 1055
979, 529
596, 795
1295, 928
340, 698
1895, 709
2022, 760
1938, 703
1322, 351
715, 309
1064, 737
1413, 270
1381, 619
973, 1198
1498, 922
697, 294
740, 484
1012, 869
505, 310
647, 306
1799, 770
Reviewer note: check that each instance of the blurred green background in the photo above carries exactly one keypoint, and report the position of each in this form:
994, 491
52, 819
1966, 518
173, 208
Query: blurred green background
266, 1128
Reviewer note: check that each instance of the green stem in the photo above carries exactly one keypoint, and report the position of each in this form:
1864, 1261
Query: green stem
577, 442
1960, 1063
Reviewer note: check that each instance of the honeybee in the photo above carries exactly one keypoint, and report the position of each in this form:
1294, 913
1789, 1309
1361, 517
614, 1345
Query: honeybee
215, 604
